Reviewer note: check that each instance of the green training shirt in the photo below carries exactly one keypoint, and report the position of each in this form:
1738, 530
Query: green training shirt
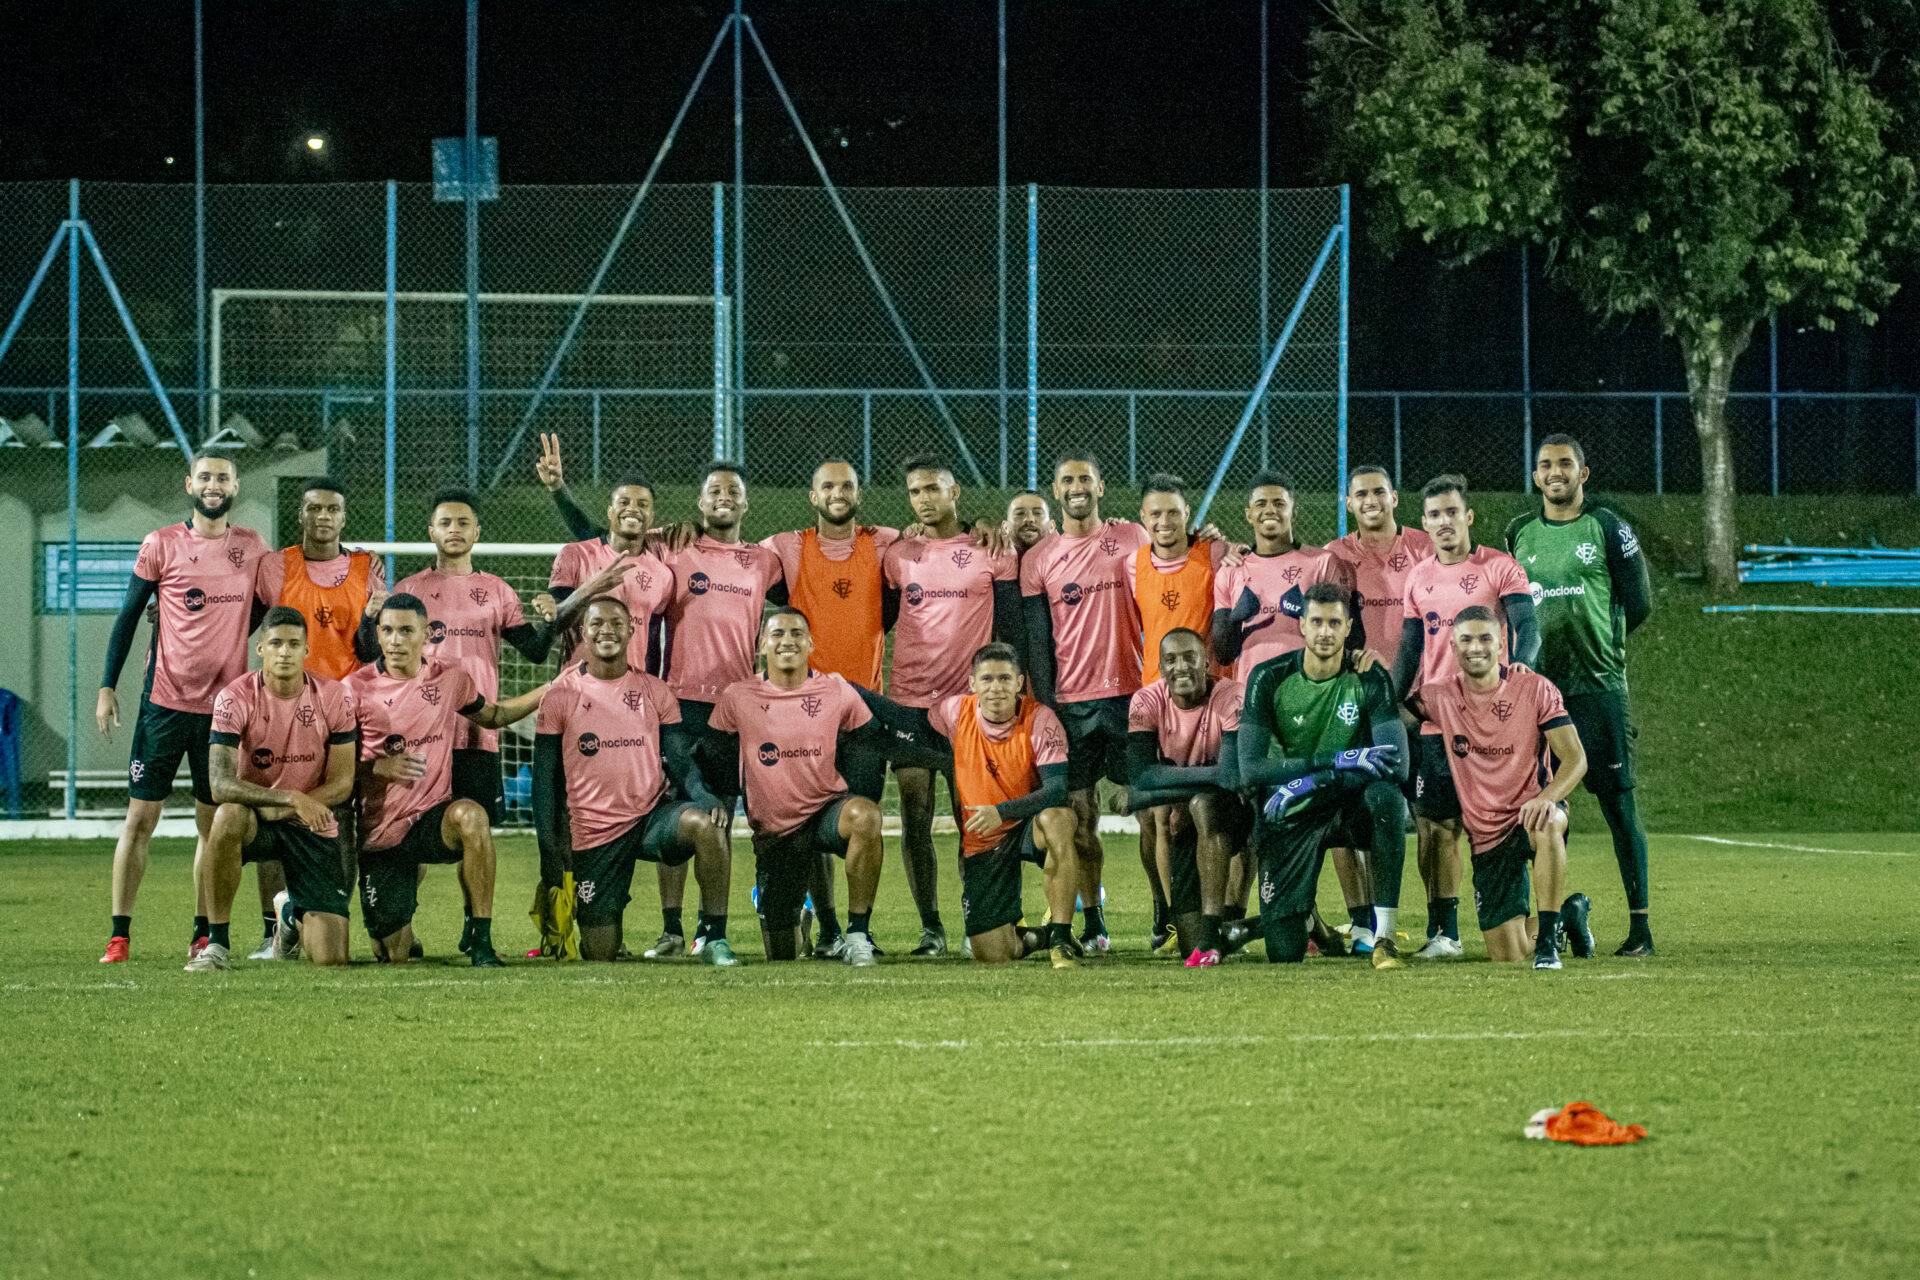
1309, 719
1581, 570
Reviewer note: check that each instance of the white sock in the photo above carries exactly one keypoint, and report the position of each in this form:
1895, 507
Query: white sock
1384, 919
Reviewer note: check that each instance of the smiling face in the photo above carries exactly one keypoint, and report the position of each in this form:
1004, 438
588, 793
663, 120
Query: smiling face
1270, 513
1448, 521
323, 515
608, 627
1028, 519
1371, 501
723, 500
835, 493
1559, 475
933, 495
212, 484
786, 642
996, 684
630, 511
1476, 643
453, 529
283, 651
1165, 516
1183, 664
1078, 488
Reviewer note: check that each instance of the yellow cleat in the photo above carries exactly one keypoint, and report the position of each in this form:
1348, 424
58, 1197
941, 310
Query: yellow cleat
1386, 953
1063, 958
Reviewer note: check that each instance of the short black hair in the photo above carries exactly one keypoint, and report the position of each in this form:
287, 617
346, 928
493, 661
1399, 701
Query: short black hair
926, 462
1081, 455
406, 602
1272, 480
786, 610
1370, 469
1187, 632
721, 464
455, 493
1561, 437
1446, 482
323, 484
607, 598
1330, 592
997, 651
634, 480
284, 615
209, 455
1474, 613
1164, 482
827, 462
1029, 493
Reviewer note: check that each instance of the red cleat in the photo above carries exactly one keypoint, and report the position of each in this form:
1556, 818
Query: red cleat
198, 945
116, 951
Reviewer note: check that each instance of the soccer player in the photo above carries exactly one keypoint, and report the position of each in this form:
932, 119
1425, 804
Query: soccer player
1028, 521
281, 755
201, 573
1322, 744
1592, 590
1183, 763
1498, 720
1010, 768
833, 575
1458, 575
338, 591
800, 729
647, 586
604, 732
1258, 603
954, 596
408, 705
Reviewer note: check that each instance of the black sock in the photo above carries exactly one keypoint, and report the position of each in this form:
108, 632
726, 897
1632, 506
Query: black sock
481, 938
220, 935
829, 922
199, 928
930, 920
1638, 930
1161, 915
123, 928
1449, 917
1209, 939
268, 923
1433, 918
1362, 917
1058, 935
1549, 924
1629, 845
670, 922
857, 922
710, 926
1096, 919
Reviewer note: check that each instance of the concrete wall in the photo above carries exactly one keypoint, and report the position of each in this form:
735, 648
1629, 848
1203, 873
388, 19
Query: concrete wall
125, 493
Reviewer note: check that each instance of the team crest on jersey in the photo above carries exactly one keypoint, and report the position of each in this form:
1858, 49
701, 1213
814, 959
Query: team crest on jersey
632, 698
136, 769
811, 704
915, 594
1349, 712
769, 754
394, 744
1291, 573
436, 632
1169, 599
1586, 553
1266, 887
588, 744
962, 558
323, 614
743, 558
585, 889
1503, 711
1469, 582
430, 694
478, 595
646, 580
993, 769
262, 757
1398, 560
1070, 594
1109, 547
843, 587
306, 714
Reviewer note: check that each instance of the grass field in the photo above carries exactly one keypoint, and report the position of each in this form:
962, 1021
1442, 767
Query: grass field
932, 1119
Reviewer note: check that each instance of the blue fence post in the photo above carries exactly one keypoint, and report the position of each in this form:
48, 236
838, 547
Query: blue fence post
470, 171
1265, 237
1033, 335
1916, 446
1396, 441
1346, 244
1773, 401
737, 318
390, 370
1659, 445
722, 325
1526, 376
73, 497
866, 438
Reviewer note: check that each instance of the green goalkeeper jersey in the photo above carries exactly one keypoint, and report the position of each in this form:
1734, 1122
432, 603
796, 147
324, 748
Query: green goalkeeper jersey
1313, 719
1590, 587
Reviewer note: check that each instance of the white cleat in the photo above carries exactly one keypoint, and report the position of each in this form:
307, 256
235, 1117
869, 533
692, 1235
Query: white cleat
857, 950
286, 934
213, 958
1440, 947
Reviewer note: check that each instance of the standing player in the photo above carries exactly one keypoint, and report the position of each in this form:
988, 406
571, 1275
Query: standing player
1258, 603
338, 591
201, 571
1183, 763
409, 817
1457, 576
833, 575
281, 755
954, 597
801, 729
647, 587
1028, 521
1591, 585
605, 730
1322, 744
1498, 721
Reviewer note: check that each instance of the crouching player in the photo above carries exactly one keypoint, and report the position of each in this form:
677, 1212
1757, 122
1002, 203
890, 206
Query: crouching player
1322, 744
1497, 721
280, 758
604, 731
1182, 752
408, 815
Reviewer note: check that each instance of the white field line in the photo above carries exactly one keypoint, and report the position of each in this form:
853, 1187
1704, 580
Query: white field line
1798, 848
1377, 1037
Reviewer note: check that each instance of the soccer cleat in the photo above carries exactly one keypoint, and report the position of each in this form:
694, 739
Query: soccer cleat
1236, 934
1386, 954
1063, 958
1162, 940
417, 951
265, 950
833, 948
1635, 950
1359, 941
198, 945
1098, 944
1440, 947
286, 935
117, 952
465, 945
1574, 933
1549, 959
718, 952
1328, 941
857, 949
212, 958
486, 958
966, 945
665, 947
1206, 959
933, 944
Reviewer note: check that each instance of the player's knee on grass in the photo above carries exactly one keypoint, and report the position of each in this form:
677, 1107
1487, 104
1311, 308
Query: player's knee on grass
323, 938
997, 946
1286, 938
600, 942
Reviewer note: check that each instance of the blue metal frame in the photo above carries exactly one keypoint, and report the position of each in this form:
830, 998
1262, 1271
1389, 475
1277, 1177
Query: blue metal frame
1526, 374
722, 328
200, 218
1033, 335
1000, 277
737, 319
1340, 404
1265, 235
85, 233
73, 497
61, 237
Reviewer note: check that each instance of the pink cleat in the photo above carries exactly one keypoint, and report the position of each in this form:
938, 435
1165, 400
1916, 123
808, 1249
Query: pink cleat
1203, 959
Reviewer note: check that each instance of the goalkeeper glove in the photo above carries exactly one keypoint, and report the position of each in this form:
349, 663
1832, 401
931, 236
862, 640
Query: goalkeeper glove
1375, 762
1288, 795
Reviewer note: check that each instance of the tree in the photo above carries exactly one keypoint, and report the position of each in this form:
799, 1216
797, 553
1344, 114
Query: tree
1707, 161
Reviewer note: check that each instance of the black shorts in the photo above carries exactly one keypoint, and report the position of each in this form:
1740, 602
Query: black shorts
161, 736
603, 876
1292, 851
1434, 796
390, 878
1096, 741
694, 719
1500, 880
1183, 860
476, 777
315, 865
1606, 731
783, 864
990, 881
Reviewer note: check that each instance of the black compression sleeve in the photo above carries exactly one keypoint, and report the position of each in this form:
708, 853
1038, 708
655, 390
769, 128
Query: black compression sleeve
366, 639
1522, 627
125, 623
1226, 637
676, 752
1627, 567
1413, 643
579, 523
718, 756
533, 640
1008, 625
1039, 628
549, 791
903, 735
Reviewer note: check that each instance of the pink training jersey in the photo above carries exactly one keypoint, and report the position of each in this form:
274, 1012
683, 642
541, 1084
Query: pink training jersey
646, 590
205, 594
787, 547
272, 575
714, 618
1089, 593
946, 612
407, 717
1280, 583
1436, 593
466, 614
1187, 735
1496, 745
1380, 576
609, 734
283, 743
789, 745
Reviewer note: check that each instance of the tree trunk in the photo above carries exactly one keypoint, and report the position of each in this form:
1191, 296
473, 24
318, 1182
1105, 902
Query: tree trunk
1710, 359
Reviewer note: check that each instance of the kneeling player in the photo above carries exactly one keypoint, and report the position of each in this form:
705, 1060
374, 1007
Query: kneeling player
605, 729
1497, 720
1010, 776
280, 757
1328, 738
1183, 754
408, 815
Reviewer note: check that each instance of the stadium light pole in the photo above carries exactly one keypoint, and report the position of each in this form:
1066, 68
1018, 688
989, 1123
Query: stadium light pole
470, 170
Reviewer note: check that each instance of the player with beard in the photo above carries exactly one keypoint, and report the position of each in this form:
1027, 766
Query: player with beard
201, 573
833, 575
1592, 590
1457, 576
339, 591
281, 755
409, 817
1029, 520
605, 731
1183, 764
953, 596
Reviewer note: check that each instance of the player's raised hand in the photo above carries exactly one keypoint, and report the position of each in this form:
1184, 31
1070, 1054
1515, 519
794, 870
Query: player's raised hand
307, 811
675, 537
547, 466
375, 600
983, 819
610, 576
543, 604
1236, 553
403, 768
106, 713
1208, 532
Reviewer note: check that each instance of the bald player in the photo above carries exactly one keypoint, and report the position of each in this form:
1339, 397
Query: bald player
201, 572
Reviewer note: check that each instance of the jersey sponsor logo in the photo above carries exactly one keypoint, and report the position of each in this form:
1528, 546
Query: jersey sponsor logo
1548, 593
699, 584
1294, 603
1349, 712
1381, 602
1169, 599
632, 699
1462, 748
917, 594
436, 632
1586, 553
1469, 582
478, 595
1049, 741
263, 758
811, 704
588, 744
1537, 591
195, 599
394, 744
592, 744
1434, 623
843, 587
1629, 544
1503, 711
770, 754
962, 558
1071, 594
